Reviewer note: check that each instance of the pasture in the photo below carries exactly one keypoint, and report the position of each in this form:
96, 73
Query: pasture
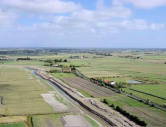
158, 90
20, 124
125, 68
21, 93
47, 120
153, 117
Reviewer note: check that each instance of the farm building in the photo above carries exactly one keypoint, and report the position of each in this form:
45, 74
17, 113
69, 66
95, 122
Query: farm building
110, 82
4, 58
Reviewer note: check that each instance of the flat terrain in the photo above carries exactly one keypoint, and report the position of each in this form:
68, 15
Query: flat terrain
14, 125
47, 120
63, 120
21, 93
154, 117
91, 88
25, 96
158, 90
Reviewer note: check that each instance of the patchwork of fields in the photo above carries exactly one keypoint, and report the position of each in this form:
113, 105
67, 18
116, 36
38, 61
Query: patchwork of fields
28, 100
20, 91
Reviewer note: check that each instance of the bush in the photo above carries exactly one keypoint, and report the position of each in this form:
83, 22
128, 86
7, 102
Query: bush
105, 101
54, 71
27, 58
113, 106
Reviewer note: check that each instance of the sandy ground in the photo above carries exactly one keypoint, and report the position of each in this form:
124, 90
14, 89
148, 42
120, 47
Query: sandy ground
56, 105
75, 121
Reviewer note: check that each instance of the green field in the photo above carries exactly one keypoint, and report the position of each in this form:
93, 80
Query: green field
158, 90
21, 93
63, 75
21, 90
91, 121
147, 97
142, 70
47, 120
13, 125
154, 117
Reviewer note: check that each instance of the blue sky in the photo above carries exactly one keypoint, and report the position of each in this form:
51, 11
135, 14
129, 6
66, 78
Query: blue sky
83, 23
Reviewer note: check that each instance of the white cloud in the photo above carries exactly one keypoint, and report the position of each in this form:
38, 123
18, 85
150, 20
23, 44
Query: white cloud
6, 18
140, 24
116, 10
102, 21
42, 6
147, 3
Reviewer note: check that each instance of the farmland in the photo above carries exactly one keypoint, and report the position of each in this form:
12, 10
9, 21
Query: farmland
13, 125
149, 69
154, 117
158, 90
21, 86
89, 87
26, 100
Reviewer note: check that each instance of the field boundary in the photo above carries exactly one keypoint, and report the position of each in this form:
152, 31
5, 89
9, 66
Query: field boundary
150, 103
1, 100
147, 93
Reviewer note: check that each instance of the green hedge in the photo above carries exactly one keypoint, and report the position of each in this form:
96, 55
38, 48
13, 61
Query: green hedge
126, 114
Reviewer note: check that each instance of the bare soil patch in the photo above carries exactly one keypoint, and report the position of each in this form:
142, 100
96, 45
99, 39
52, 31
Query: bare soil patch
49, 123
74, 121
56, 105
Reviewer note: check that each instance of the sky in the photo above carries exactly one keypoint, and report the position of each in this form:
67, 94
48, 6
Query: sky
83, 23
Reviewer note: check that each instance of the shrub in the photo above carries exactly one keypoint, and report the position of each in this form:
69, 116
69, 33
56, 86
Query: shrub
54, 71
105, 101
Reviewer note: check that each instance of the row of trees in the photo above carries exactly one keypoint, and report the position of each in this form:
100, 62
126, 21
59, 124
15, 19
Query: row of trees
24, 58
50, 62
125, 113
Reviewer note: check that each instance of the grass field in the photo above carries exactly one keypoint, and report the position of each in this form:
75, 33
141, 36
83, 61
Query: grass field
63, 75
154, 117
21, 93
47, 120
13, 125
147, 97
91, 121
158, 90
147, 72
31, 62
